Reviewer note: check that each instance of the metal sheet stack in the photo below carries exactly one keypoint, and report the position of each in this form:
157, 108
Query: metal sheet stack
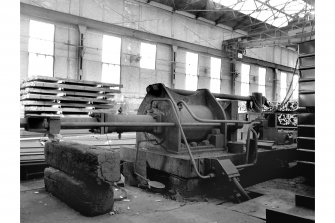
58, 96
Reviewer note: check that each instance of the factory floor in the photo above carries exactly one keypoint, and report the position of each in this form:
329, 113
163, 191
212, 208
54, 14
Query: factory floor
38, 206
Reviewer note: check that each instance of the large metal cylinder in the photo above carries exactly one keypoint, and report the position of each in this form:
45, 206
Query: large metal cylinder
196, 133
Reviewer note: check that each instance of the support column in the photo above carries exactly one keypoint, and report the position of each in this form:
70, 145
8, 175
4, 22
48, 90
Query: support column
82, 34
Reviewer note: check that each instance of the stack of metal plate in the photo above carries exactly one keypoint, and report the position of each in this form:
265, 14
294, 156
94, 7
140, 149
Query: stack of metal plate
57, 96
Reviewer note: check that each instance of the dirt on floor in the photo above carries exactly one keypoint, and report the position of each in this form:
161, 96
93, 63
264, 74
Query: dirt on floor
139, 205
38, 206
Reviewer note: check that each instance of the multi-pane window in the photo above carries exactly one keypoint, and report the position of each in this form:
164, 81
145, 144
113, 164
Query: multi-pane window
41, 48
191, 80
261, 80
283, 85
148, 56
295, 85
111, 48
215, 75
245, 71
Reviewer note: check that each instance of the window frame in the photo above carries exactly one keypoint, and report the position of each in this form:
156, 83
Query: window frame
283, 88
40, 54
106, 64
145, 58
215, 79
189, 77
262, 87
246, 84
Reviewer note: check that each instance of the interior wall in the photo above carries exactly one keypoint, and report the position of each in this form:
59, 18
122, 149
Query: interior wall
274, 54
134, 79
140, 16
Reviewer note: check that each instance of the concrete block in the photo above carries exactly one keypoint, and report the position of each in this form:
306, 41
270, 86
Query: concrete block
83, 161
85, 197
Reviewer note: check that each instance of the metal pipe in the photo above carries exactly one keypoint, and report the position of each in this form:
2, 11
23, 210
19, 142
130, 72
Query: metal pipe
247, 164
115, 124
217, 95
240, 188
84, 125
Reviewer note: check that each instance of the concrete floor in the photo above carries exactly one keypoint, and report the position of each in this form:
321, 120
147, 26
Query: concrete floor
140, 206
38, 206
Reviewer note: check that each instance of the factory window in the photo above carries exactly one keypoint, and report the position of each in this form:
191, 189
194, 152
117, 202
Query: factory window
191, 80
283, 85
111, 48
261, 80
295, 85
41, 48
245, 71
215, 75
148, 56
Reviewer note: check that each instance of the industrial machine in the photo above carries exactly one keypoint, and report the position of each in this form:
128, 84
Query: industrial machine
189, 135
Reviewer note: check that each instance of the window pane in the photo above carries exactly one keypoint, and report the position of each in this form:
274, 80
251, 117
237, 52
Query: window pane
41, 30
245, 79
148, 56
191, 70
261, 80
283, 85
41, 37
215, 67
41, 48
191, 82
295, 87
215, 75
110, 73
111, 48
215, 85
40, 65
191, 64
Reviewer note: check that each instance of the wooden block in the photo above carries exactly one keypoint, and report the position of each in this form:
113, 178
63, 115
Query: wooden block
100, 164
90, 199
